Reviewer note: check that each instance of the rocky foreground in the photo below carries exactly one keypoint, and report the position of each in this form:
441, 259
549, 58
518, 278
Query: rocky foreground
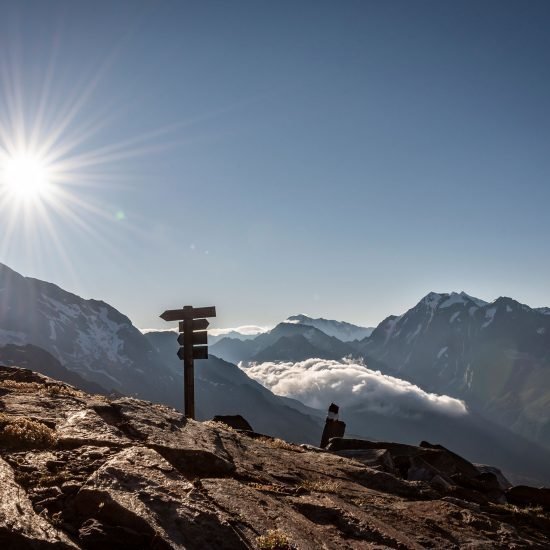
82, 471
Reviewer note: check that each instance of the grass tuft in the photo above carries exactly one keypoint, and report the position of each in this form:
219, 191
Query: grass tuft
277, 443
321, 486
274, 540
22, 432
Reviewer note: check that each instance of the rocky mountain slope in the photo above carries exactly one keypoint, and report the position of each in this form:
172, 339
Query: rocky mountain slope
83, 471
88, 337
495, 356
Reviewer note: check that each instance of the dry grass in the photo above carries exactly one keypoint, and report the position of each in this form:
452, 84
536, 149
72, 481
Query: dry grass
62, 390
274, 540
22, 432
321, 486
530, 511
23, 387
218, 425
52, 390
277, 443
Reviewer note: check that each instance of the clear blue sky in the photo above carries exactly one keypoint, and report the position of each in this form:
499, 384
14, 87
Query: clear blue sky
340, 159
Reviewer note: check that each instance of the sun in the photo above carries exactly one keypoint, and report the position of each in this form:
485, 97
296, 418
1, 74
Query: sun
25, 176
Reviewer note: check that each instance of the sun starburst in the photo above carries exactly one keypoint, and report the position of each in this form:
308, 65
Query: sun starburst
25, 176
53, 183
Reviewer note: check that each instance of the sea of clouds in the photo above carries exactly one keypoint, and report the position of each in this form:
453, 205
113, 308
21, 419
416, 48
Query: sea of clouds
318, 382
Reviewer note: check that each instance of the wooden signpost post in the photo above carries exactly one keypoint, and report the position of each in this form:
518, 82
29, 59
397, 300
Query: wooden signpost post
193, 340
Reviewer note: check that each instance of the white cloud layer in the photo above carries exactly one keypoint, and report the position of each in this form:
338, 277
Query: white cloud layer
318, 382
245, 330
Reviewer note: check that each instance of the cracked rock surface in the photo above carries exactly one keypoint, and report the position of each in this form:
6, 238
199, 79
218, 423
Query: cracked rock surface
82, 471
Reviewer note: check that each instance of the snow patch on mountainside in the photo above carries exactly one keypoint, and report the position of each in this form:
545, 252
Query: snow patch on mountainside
103, 331
431, 300
489, 316
453, 299
454, 316
65, 313
411, 336
53, 333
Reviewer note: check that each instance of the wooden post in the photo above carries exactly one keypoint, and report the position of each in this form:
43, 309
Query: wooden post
188, 364
193, 341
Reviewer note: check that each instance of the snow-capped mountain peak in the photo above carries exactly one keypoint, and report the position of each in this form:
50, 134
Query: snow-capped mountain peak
444, 300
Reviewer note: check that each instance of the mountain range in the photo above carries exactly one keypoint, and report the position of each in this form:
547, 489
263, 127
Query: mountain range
92, 345
287, 341
449, 343
346, 332
495, 356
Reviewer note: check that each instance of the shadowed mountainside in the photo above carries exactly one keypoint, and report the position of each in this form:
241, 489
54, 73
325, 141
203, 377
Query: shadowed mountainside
495, 356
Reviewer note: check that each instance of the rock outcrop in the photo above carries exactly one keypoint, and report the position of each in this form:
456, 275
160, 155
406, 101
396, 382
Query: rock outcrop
84, 471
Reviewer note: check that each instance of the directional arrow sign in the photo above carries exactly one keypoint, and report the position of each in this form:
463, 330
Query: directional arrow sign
200, 338
181, 354
209, 311
188, 313
200, 352
198, 324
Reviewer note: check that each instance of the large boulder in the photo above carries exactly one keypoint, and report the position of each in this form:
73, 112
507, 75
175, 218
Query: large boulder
20, 525
529, 496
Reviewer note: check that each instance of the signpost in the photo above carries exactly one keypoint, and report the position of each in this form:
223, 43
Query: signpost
193, 340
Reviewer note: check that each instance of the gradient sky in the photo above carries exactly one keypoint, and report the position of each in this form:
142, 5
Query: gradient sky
340, 159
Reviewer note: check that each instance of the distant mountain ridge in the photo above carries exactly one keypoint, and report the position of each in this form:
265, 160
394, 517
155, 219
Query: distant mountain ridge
285, 342
346, 332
